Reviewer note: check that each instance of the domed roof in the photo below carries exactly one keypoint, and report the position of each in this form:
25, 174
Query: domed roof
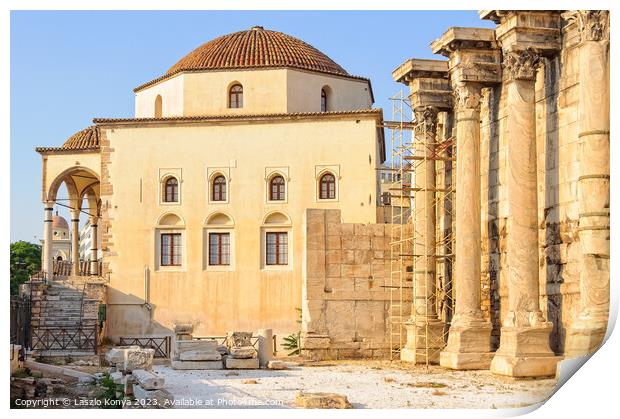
256, 47
59, 222
86, 139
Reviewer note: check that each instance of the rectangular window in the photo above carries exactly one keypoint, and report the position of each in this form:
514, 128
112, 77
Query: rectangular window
219, 248
170, 254
277, 249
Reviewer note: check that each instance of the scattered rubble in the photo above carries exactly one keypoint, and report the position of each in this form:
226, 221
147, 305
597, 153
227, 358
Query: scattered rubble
322, 401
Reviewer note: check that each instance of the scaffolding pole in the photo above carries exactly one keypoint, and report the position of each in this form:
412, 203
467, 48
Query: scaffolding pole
421, 248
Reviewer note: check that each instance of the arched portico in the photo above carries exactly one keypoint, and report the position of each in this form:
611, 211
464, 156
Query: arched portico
83, 198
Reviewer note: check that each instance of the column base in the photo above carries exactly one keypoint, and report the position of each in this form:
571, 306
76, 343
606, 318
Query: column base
469, 347
424, 341
525, 352
584, 339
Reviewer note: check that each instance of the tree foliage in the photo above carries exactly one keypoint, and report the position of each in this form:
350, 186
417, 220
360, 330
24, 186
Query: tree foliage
25, 261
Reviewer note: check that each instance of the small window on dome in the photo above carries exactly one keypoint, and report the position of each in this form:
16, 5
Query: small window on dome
235, 97
158, 106
323, 100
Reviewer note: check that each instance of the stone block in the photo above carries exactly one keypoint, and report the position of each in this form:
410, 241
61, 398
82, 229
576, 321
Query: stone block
348, 242
148, 380
138, 359
347, 271
362, 257
197, 365
333, 270
311, 341
117, 355
333, 229
236, 363
275, 364
242, 352
157, 399
116, 377
321, 401
200, 355
347, 257
334, 243
362, 242
196, 345
333, 256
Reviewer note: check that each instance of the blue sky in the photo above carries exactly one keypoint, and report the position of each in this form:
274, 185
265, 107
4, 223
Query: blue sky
68, 67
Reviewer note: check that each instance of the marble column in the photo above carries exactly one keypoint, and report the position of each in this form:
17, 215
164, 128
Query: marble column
469, 339
524, 344
47, 263
587, 332
94, 265
424, 329
75, 242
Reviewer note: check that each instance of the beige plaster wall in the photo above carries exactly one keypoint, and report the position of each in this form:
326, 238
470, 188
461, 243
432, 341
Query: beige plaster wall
172, 92
304, 92
248, 296
264, 91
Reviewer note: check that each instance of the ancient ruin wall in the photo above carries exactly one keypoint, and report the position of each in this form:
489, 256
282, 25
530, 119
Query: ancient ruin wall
344, 294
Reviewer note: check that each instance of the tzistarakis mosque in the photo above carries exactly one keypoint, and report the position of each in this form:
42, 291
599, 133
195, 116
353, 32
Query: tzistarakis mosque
249, 192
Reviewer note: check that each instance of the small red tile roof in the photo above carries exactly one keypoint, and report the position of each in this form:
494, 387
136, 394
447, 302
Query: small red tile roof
86, 139
254, 48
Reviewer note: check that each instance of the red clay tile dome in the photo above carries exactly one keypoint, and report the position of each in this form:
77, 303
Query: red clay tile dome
88, 138
256, 47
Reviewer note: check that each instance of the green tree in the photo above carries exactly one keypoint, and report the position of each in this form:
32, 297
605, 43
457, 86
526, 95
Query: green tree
25, 261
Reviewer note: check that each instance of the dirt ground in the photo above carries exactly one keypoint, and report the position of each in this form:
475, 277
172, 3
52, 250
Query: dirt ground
367, 384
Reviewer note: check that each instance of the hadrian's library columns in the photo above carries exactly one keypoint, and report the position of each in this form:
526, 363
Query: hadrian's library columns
430, 94
587, 332
474, 62
524, 349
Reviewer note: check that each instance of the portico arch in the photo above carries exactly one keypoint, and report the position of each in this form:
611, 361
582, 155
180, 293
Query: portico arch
82, 184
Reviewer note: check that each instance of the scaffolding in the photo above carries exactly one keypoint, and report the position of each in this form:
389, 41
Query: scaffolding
422, 231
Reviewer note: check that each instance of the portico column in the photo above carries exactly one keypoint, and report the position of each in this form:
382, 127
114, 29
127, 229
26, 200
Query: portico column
588, 330
75, 242
469, 339
48, 208
94, 249
524, 344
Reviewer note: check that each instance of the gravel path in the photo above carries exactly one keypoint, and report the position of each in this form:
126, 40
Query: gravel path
367, 384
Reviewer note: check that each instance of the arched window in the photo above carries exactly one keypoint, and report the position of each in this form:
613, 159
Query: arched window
277, 188
218, 189
158, 105
323, 100
327, 186
235, 96
171, 190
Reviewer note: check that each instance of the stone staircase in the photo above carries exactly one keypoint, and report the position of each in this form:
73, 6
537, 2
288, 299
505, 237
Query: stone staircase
64, 318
